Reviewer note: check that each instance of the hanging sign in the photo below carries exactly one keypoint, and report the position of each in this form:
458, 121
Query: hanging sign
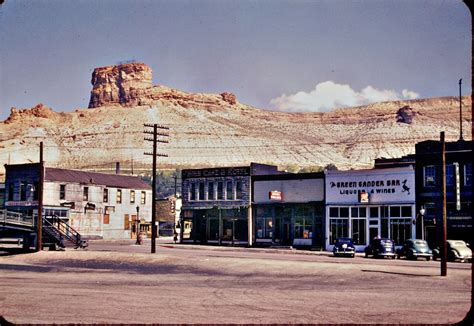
275, 195
458, 186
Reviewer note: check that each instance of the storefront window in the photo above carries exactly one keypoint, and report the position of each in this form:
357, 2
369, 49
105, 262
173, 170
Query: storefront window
400, 229
263, 222
358, 231
338, 223
374, 212
384, 227
201, 191
241, 230
406, 211
339, 228
303, 227
213, 229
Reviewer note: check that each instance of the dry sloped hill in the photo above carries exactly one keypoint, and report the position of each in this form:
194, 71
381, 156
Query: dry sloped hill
216, 130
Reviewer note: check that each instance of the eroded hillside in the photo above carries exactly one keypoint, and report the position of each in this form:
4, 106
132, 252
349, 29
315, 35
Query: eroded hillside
217, 130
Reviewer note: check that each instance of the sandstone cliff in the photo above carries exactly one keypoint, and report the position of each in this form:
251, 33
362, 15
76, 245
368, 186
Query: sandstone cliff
217, 130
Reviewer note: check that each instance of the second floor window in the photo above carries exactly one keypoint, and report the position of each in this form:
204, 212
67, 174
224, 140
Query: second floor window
192, 191
238, 190
119, 196
85, 195
201, 191
106, 195
62, 191
35, 191
143, 198
450, 177
132, 196
23, 191
468, 174
220, 190
429, 176
11, 190
210, 191
229, 191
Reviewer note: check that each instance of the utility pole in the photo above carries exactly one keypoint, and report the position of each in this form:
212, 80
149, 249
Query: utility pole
175, 177
460, 110
155, 140
39, 218
444, 249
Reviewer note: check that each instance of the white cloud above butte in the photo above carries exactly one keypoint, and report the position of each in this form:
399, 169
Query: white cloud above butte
329, 95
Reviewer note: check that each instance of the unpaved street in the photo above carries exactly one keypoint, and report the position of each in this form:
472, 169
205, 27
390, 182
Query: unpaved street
124, 283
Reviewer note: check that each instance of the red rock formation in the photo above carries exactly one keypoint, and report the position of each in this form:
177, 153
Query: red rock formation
38, 111
229, 98
131, 85
121, 84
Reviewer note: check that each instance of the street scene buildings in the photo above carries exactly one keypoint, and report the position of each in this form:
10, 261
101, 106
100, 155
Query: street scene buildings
258, 205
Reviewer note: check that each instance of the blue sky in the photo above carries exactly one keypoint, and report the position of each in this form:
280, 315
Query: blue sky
279, 55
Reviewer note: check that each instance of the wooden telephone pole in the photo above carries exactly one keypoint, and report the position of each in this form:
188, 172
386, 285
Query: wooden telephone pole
444, 249
39, 218
155, 140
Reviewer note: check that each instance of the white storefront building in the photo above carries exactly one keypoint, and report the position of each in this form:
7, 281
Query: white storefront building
364, 204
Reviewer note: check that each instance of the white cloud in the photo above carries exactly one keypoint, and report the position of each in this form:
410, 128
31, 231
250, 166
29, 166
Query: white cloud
329, 95
410, 94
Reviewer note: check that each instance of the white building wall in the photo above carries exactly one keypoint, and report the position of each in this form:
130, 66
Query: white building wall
91, 222
293, 191
387, 188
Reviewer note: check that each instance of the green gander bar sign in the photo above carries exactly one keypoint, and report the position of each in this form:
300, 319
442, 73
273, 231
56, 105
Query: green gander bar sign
378, 186
372, 186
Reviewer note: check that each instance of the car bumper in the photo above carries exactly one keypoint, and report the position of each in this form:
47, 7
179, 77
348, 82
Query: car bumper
344, 252
423, 255
385, 254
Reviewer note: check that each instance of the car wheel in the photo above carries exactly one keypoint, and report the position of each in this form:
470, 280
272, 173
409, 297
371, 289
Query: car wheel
428, 258
398, 256
366, 255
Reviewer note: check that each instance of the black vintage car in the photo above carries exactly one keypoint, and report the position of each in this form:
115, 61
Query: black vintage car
415, 248
344, 247
380, 247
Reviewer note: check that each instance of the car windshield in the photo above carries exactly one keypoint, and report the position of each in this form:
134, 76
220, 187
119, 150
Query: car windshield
421, 243
386, 242
344, 240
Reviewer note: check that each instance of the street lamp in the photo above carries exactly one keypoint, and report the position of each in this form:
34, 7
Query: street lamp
422, 213
138, 242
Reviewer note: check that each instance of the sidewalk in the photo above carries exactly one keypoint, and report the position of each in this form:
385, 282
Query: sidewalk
167, 242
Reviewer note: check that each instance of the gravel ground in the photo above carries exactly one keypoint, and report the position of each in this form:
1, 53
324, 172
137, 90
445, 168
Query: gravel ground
180, 284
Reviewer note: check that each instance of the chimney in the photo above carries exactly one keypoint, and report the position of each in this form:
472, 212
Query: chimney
117, 167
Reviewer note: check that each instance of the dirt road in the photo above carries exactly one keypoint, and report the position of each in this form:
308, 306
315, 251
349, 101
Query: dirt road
204, 286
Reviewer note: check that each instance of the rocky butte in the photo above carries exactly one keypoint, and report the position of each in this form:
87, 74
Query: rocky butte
216, 129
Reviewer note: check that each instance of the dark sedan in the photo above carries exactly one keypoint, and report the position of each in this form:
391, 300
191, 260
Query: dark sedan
380, 248
414, 249
344, 247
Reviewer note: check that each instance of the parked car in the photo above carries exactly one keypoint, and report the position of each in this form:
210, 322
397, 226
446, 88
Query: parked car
344, 247
457, 250
415, 248
380, 247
